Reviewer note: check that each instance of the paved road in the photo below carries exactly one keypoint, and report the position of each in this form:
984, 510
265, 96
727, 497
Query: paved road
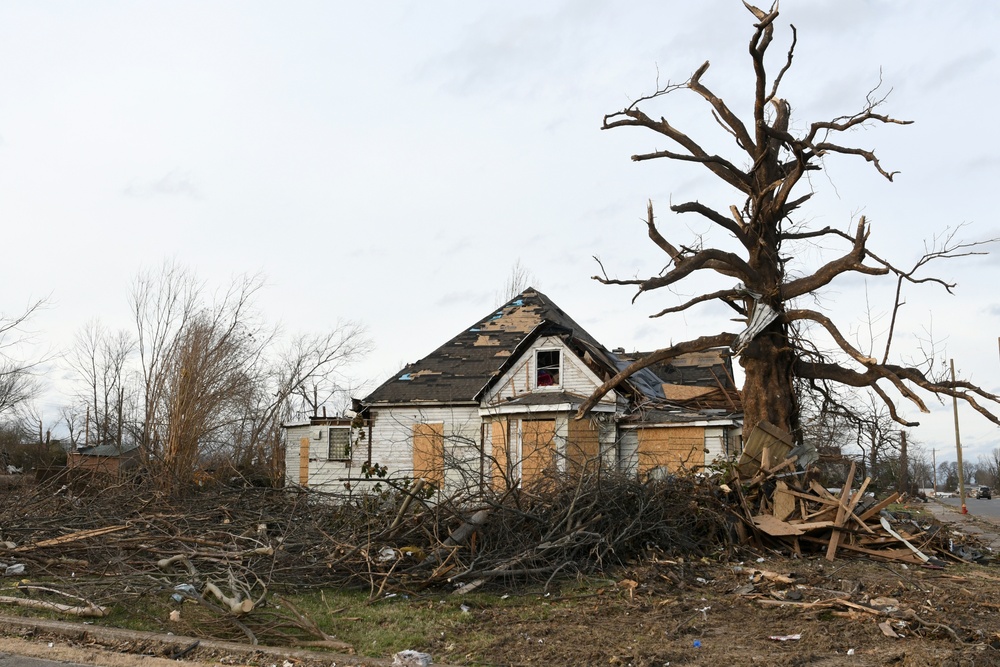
986, 508
10, 660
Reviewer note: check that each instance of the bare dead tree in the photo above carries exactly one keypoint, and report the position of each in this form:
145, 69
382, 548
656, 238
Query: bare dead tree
518, 280
18, 377
100, 360
162, 302
217, 378
779, 344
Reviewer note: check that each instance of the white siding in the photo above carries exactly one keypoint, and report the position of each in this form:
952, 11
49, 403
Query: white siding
715, 444
324, 474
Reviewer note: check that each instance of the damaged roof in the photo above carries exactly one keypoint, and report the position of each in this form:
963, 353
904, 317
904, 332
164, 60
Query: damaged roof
462, 368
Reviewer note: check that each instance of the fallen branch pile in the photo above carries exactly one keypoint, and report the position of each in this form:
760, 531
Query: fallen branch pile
233, 551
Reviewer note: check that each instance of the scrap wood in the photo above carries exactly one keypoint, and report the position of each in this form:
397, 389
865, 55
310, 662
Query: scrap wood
845, 494
901, 555
765, 435
872, 511
775, 527
854, 504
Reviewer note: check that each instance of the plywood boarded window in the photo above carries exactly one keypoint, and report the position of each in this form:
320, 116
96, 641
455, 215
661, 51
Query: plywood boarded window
671, 449
304, 461
428, 452
583, 447
499, 452
537, 448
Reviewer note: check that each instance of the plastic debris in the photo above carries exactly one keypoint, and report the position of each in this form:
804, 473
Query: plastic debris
785, 638
410, 658
697, 643
14, 570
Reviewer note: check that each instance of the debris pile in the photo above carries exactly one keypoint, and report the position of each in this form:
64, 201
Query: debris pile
785, 505
234, 552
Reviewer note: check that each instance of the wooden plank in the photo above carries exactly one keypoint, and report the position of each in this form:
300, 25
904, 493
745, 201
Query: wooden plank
784, 502
813, 525
901, 555
845, 494
304, 461
854, 504
817, 499
872, 511
775, 527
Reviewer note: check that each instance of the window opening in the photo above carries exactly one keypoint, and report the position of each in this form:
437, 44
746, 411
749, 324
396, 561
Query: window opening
340, 444
547, 363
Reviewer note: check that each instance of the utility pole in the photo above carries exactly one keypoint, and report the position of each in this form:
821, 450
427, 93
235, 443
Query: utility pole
904, 465
958, 446
934, 468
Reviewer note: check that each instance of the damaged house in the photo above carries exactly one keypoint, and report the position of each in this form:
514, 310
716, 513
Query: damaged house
495, 406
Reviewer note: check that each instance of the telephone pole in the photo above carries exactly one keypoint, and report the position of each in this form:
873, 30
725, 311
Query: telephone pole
934, 468
958, 446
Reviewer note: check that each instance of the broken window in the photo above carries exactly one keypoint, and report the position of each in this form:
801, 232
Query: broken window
547, 365
340, 444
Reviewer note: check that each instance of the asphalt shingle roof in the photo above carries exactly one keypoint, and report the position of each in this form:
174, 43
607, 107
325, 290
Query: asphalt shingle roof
461, 368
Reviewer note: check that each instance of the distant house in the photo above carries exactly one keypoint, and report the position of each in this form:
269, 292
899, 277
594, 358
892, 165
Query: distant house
107, 458
495, 406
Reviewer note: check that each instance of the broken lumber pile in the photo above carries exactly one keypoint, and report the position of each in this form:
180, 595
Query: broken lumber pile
788, 506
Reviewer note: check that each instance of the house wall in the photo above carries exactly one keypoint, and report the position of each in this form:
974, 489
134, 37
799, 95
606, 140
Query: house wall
461, 438
110, 465
315, 469
567, 445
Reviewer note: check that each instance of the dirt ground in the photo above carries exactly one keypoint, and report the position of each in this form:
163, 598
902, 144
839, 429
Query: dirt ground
740, 618
777, 612
770, 609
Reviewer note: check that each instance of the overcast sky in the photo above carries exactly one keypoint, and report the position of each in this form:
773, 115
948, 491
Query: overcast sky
390, 162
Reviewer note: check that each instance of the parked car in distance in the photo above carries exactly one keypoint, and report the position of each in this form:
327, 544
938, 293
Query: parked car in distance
984, 492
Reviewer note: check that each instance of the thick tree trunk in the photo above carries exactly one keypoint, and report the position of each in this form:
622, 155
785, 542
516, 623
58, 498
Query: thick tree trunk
768, 391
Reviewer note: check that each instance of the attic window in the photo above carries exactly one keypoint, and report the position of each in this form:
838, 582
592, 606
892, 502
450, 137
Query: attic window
547, 366
340, 444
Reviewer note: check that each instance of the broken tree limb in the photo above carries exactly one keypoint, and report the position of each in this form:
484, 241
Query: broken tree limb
87, 611
72, 537
236, 606
411, 493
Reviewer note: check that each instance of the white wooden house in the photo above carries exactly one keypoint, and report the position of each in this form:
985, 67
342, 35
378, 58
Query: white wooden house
496, 404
